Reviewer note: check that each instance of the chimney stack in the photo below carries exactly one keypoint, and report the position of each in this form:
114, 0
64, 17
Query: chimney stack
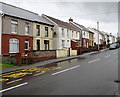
70, 20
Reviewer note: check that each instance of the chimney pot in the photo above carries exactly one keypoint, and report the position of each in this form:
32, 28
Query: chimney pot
70, 20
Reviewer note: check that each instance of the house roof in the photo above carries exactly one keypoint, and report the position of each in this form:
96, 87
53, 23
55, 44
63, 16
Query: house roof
81, 26
91, 30
14, 11
63, 24
101, 32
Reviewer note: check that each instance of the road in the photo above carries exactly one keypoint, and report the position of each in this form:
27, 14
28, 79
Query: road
90, 75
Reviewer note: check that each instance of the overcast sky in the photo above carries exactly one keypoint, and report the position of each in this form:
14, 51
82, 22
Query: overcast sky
85, 13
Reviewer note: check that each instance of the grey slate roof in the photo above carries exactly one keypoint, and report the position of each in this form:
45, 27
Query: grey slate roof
62, 23
81, 26
21, 13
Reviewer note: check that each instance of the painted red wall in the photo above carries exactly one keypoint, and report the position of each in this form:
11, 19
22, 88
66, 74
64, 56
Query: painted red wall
5, 43
86, 42
73, 44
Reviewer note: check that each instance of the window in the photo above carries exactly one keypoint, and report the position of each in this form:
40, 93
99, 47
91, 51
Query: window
38, 45
26, 44
27, 28
62, 32
76, 34
14, 45
46, 31
72, 33
84, 42
38, 30
67, 33
46, 43
63, 43
14, 26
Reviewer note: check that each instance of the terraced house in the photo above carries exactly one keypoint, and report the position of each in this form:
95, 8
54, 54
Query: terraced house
16, 27
84, 34
63, 33
42, 35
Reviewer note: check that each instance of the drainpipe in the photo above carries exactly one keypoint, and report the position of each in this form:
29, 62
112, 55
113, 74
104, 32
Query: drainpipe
1, 15
98, 35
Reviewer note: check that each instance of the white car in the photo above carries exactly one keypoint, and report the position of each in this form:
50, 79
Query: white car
113, 46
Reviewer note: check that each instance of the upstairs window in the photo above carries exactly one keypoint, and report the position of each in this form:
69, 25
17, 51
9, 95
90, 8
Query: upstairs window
63, 43
38, 30
76, 34
14, 26
72, 34
14, 45
27, 28
67, 33
46, 31
63, 33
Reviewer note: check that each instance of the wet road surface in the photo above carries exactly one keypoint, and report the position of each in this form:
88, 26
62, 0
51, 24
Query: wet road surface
91, 75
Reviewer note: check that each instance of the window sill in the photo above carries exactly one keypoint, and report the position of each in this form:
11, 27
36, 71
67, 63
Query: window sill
13, 52
14, 32
26, 34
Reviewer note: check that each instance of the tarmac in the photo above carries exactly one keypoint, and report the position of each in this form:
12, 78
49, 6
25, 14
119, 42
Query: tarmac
45, 62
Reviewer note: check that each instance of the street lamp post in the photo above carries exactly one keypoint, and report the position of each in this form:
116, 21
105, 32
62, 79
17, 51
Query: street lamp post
98, 35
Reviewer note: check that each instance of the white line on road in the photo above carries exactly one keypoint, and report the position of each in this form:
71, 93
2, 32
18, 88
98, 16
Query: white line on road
65, 70
93, 60
107, 56
13, 87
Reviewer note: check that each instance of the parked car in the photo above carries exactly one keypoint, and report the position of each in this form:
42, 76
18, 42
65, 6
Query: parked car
117, 45
113, 46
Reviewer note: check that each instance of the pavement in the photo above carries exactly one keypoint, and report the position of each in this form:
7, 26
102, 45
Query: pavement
45, 62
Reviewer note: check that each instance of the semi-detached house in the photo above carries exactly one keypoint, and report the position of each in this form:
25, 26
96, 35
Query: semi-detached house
16, 30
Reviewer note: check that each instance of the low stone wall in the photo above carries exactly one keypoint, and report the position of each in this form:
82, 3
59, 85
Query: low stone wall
42, 55
8, 59
61, 53
73, 52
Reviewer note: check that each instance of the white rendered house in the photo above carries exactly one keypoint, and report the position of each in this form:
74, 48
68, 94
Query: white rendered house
63, 33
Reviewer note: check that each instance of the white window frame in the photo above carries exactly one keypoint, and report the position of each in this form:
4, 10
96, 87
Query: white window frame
27, 25
72, 34
14, 22
46, 32
76, 34
27, 41
63, 43
68, 33
12, 41
63, 34
37, 30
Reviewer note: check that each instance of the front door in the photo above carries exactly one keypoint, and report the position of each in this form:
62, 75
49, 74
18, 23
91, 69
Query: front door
38, 45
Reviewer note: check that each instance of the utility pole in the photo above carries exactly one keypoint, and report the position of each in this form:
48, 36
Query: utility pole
98, 35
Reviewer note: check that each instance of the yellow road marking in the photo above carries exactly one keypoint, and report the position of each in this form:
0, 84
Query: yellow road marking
17, 75
39, 73
13, 81
2, 80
